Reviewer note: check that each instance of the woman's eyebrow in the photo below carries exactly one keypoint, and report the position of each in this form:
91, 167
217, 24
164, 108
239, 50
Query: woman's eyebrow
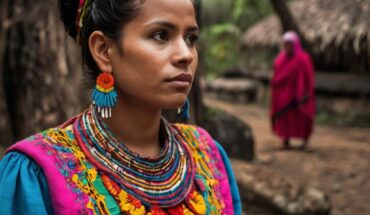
193, 29
172, 26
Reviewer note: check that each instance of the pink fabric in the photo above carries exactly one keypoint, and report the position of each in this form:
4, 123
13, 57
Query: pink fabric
222, 176
63, 199
293, 80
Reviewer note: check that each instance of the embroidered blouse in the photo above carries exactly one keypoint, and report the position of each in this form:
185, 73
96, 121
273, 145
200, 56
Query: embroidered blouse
63, 169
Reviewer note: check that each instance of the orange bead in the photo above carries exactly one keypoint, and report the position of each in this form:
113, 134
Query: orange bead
105, 80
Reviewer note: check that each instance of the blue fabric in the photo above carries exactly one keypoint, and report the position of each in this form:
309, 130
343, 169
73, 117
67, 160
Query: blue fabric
23, 186
232, 181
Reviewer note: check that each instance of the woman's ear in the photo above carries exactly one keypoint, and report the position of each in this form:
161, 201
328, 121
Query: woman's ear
99, 46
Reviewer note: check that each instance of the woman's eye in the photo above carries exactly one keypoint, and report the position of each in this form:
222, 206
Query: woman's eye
191, 39
161, 36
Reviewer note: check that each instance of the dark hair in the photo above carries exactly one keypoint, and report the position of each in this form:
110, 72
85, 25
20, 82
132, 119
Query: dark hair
108, 16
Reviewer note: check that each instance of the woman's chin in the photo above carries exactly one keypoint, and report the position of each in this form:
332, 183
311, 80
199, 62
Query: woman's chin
173, 104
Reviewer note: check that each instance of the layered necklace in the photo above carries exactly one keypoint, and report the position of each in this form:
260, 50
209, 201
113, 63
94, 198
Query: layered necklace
164, 181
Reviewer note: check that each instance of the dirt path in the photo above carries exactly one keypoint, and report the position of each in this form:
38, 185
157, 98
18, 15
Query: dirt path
337, 162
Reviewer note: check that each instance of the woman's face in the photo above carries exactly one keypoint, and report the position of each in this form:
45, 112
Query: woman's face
159, 57
288, 47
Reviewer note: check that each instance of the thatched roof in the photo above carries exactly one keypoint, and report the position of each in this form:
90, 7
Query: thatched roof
323, 23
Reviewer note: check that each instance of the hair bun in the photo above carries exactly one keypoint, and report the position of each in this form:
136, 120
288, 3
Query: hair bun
68, 13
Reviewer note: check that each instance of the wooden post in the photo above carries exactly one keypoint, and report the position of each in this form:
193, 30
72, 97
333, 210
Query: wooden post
43, 70
287, 21
6, 134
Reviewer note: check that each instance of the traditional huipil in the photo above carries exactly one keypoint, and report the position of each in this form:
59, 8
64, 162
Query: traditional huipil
292, 92
81, 168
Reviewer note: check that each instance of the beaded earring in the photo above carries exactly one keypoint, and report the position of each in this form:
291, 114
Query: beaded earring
104, 96
184, 110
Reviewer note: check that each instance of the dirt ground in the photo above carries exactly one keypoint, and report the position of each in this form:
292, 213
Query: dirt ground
337, 160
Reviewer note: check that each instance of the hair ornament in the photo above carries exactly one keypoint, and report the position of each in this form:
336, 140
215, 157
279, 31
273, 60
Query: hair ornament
81, 12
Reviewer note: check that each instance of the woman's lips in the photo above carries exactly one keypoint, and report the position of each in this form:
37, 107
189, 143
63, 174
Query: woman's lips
182, 80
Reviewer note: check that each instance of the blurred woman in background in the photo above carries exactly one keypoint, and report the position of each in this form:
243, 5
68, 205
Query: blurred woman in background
292, 92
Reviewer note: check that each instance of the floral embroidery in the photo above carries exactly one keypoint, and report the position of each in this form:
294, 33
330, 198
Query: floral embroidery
179, 210
205, 176
156, 210
130, 204
187, 211
82, 177
127, 203
196, 203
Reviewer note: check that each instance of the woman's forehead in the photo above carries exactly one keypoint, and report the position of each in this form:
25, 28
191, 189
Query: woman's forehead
167, 9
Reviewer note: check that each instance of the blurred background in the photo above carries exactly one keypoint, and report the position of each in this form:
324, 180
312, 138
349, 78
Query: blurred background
42, 84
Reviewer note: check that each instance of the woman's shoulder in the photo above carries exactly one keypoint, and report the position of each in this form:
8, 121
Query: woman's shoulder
40, 145
194, 134
20, 153
23, 183
213, 158
189, 127
16, 160
50, 136
193, 131
61, 133
15, 164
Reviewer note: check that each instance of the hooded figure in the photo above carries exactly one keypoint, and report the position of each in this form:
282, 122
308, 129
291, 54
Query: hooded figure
292, 86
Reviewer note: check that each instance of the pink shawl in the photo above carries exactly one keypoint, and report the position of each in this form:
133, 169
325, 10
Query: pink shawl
292, 92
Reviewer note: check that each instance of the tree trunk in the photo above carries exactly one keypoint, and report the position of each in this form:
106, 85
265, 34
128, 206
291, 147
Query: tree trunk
6, 136
287, 21
42, 69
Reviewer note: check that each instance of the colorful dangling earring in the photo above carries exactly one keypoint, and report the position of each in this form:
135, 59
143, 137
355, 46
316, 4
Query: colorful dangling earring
184, 110
104, 96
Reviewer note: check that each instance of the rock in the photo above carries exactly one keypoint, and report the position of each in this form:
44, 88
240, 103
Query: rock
235, 136
279, 194
265, 159
279, 200
336, 188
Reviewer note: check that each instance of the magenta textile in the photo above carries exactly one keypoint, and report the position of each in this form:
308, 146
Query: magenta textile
63, 199
222, 175
292, 92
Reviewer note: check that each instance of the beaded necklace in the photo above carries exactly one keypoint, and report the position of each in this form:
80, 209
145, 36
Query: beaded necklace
164, 181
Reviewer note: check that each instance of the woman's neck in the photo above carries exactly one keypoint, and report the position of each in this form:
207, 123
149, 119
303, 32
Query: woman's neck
137, 126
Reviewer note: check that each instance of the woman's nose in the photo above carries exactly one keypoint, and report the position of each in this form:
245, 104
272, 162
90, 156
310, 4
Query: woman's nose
183, 54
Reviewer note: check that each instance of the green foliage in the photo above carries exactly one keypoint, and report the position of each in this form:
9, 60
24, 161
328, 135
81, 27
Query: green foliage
219, 46
223, 25
238, 9
215, 11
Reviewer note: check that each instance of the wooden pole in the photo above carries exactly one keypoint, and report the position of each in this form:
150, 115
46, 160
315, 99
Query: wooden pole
287, 21
6, 134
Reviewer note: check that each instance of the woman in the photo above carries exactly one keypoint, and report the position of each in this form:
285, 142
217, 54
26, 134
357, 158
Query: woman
120, 156
293, 97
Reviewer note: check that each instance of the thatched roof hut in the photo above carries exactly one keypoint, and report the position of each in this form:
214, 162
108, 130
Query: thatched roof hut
337, 30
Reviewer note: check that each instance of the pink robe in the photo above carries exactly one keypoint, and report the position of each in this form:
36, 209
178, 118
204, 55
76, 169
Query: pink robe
293, 98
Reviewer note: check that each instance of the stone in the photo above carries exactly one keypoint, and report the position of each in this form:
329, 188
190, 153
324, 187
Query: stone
270, 191
234, 135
